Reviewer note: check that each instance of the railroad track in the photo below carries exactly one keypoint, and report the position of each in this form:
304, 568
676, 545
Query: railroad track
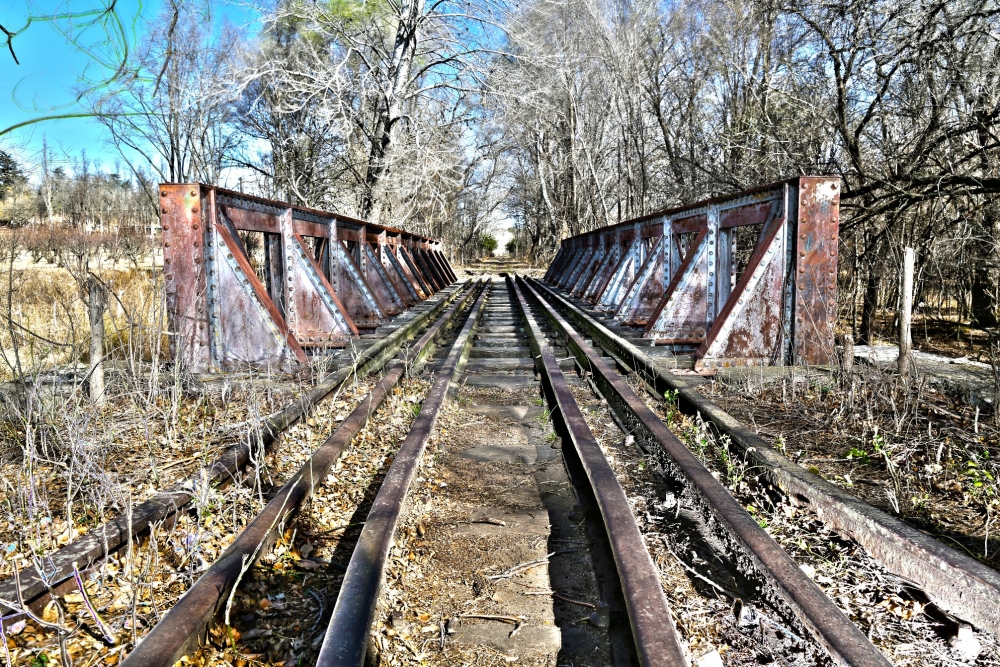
501, 526
956, 582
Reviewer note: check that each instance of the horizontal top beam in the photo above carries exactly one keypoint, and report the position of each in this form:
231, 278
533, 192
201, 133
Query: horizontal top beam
259, 214
682, 213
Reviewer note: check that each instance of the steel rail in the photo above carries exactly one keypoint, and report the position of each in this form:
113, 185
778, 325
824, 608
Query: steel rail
115, 534
798, 599
652, 623
182, 627
346, 638
954, 581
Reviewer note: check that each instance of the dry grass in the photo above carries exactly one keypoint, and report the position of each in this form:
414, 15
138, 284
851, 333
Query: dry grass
44, 326
895, 617
67, 466
912, 451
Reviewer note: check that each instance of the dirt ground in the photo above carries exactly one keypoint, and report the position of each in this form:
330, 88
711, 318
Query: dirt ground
491, 568
947, 336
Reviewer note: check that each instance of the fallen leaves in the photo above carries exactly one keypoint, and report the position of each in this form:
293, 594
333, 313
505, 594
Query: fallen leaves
285, 627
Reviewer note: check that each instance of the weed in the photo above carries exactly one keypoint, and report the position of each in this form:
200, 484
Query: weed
981, 479
671, 399
920, 503
855, 453
878, 442
758, 516
733, 467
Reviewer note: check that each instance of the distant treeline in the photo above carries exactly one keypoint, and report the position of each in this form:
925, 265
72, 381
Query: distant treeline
80, 197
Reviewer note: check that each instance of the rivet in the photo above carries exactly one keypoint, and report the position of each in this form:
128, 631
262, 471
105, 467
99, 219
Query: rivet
166, 260
163, 209
195, 226
194, 209
163, 194
197, 260
194, 193
166, 244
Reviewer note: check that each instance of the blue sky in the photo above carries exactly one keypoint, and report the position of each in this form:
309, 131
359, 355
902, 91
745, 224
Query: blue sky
53, 68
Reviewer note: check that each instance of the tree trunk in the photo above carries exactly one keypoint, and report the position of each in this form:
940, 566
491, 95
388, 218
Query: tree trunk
96, 306
869, 308
46, 181
905, 315
403, 51
986, 271
847, 362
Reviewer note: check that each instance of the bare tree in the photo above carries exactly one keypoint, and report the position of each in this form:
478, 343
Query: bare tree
354, 101
174, 110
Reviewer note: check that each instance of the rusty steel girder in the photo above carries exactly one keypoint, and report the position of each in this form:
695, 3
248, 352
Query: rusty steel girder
745, 279
251, 281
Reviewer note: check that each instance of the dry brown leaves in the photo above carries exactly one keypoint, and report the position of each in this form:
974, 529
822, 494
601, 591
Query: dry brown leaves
132, 591
284, 602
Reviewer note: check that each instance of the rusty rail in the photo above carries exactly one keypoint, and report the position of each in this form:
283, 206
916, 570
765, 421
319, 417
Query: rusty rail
954, 581
251, 281
745, 279
346, 638
114, 535
656, 640
782, 583
184, 624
